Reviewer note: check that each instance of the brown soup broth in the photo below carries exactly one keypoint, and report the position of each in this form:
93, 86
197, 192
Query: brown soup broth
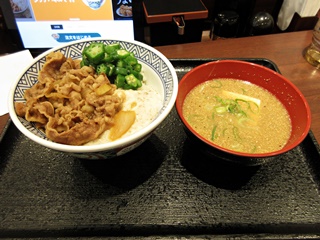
237, 115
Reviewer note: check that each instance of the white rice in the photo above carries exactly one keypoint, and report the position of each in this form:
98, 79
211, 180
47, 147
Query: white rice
145, 101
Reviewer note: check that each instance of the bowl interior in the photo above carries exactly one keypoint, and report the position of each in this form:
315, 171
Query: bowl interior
275, 83
158, 72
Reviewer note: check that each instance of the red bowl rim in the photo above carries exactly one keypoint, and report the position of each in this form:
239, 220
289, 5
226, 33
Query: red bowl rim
243, 154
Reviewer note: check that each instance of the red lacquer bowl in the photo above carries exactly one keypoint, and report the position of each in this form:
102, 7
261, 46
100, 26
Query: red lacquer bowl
278, 85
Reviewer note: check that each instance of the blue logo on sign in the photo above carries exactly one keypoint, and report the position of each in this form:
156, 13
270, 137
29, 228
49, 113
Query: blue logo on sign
68, 37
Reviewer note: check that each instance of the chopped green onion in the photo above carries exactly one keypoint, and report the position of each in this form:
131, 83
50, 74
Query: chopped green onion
213, 132
256, 106
218, 99
221, 109
242, 100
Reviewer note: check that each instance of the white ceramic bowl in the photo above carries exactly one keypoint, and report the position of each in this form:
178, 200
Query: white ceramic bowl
22, 4
157, 70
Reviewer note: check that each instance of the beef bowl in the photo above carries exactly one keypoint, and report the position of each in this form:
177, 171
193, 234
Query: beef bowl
94, 98
242, 112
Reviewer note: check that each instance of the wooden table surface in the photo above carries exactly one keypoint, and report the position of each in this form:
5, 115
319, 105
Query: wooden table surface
284, 49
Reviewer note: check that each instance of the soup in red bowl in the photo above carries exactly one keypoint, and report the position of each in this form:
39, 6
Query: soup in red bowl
241, 111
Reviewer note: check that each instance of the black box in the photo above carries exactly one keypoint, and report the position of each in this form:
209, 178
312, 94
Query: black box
174, 21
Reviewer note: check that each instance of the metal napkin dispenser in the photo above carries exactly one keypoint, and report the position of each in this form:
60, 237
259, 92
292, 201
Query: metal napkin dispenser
179, 21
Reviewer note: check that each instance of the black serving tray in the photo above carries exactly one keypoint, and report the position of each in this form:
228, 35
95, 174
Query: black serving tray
163, 189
